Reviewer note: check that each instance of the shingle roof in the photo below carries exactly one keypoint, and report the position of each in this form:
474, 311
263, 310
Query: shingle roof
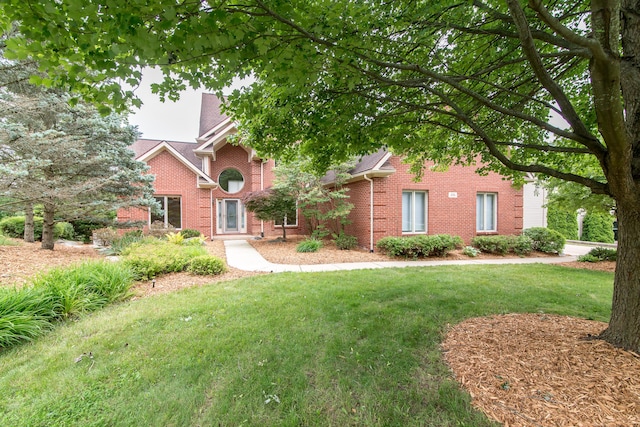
210, 113
364, 164
142, 146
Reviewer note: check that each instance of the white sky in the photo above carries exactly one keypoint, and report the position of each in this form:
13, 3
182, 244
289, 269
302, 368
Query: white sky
172, 121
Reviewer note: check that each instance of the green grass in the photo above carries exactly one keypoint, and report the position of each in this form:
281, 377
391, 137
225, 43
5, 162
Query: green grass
323, 349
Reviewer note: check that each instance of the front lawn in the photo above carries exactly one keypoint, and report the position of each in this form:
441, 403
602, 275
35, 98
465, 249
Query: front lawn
341, 348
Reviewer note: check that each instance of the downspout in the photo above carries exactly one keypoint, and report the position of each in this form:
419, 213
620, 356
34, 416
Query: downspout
261, 188
211, 213
370, 212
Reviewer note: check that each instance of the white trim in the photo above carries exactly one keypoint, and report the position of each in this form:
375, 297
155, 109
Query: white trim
484, 206
165, 146
413, 212
213, 130
382, 161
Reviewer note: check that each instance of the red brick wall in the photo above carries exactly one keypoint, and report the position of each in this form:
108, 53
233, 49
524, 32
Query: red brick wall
456, 216
173, 178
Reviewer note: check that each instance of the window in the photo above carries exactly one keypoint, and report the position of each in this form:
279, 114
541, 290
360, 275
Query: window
231, 180
414, 211
486, 211
291, 220
171, 211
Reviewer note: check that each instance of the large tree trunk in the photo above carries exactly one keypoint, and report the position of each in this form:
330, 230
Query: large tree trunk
624, 326
48, 223
29, 228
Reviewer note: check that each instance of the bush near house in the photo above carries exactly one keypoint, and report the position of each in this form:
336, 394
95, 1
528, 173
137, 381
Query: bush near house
188, 233
345, 241
562, 221
422, 246
545, 240
152, 257
206, 265
597, 227
502, 245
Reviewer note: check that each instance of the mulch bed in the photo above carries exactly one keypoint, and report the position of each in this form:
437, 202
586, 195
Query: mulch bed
544, 370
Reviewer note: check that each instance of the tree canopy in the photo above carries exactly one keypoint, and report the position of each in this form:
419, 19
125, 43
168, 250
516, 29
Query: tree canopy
547, 87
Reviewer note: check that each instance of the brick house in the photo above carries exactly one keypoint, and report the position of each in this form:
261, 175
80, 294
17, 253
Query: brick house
200, 185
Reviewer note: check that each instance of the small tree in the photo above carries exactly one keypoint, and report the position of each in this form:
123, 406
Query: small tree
322, 199
563, 221
597, 227
273, 204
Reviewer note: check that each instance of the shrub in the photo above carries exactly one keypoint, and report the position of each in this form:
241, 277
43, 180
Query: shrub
521, 245
175, 238
492, 244
188, 233
419, 246
121, 243
597, 227
545, 240
63, 230
345, 241
13, 226
471, 251
152, 257
84, 228
206, 265
309, 245
562, 221
105, 236
599, 254
194, 241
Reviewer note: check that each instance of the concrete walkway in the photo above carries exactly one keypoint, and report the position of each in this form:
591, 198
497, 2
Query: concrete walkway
241, 255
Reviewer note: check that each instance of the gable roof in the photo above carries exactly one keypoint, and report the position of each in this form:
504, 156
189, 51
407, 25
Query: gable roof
374, 165
211, 114
142, 147
146, 149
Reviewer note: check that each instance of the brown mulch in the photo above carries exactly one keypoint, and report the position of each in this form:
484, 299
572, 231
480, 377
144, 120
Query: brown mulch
24, 260
544, 370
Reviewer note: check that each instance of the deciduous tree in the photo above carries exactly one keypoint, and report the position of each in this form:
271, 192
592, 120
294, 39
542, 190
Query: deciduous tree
446, 80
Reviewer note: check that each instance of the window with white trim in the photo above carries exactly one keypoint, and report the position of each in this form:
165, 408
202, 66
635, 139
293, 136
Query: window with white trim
171, 211
486, 211
291, 219
414, 211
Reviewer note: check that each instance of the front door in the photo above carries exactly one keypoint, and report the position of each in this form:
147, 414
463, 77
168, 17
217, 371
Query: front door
231, 216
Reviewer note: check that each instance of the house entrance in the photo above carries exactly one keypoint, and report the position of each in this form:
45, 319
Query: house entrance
231, 216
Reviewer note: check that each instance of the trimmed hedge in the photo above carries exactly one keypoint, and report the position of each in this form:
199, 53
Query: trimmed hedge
502, 245
545, 240
564, 222
422, 246
597, 227
346, 242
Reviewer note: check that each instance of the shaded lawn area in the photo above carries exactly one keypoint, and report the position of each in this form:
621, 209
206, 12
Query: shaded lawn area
312, 349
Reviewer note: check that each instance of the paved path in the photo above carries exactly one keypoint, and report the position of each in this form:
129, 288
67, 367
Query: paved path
241, 255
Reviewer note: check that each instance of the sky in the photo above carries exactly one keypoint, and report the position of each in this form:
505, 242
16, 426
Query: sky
172, 121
